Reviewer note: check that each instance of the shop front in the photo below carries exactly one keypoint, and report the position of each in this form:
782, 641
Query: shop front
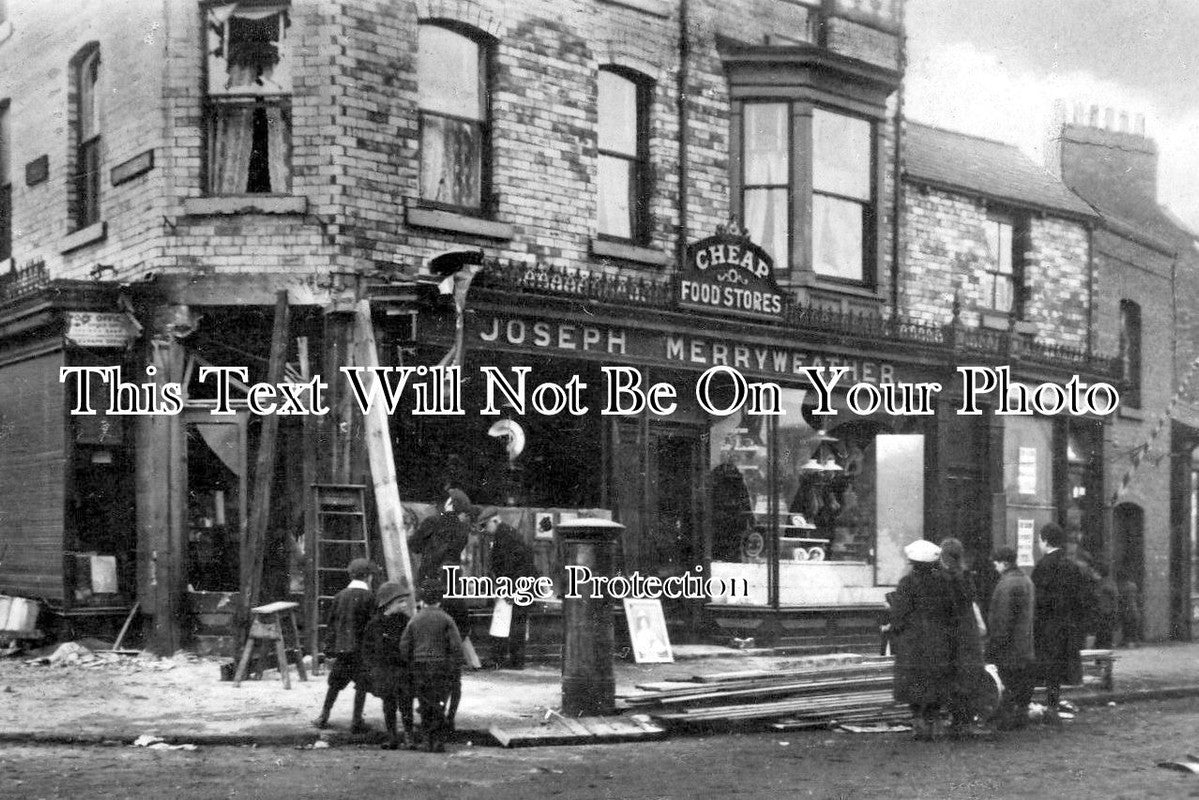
806, 514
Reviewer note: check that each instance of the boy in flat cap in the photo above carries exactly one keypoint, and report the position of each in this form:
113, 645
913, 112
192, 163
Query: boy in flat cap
351, 610
433, 649
386, 671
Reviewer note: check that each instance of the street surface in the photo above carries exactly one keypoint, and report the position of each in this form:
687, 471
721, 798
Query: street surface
1108, 752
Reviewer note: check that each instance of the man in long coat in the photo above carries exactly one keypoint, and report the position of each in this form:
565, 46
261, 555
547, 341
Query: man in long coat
1063, 601
922, 627
1009, 640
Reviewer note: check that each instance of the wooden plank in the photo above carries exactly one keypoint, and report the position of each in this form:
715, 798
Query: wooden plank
382, 461
573, 725
254, 548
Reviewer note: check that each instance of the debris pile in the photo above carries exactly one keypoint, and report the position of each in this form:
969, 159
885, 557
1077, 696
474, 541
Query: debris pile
74, 654
855, 691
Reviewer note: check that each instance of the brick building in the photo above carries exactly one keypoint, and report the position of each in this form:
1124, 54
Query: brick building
1006, 246
1145, 276
587, 158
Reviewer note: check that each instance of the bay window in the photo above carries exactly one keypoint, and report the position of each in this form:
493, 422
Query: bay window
807, 189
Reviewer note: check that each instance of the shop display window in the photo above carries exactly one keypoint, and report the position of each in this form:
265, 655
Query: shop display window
816, 495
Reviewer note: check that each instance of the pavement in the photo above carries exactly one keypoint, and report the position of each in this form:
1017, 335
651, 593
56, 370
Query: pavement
91, 697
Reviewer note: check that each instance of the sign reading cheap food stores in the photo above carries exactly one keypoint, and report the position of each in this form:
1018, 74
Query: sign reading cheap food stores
729, 273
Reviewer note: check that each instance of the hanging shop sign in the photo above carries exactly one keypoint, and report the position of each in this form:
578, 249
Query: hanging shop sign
730, 274
99, 329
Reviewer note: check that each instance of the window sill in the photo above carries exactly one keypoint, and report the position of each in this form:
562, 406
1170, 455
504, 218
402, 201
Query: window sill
5, 30
629, 252
245, 204
810, 280
658, 8
96, 232
994, 320
458, 223
1132, 413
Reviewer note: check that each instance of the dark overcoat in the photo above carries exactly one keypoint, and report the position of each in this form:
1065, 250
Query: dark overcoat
922, 627
439, 540
387, 674
351, 610
511, 557
1009, 621
1063, 600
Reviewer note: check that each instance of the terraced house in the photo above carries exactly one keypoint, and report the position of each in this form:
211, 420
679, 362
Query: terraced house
670, 186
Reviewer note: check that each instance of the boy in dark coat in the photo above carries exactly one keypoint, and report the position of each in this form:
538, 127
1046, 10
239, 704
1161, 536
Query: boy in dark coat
511, 558
383, 660
922, 625
1009, 641
352, 608
1063, 604
433, 649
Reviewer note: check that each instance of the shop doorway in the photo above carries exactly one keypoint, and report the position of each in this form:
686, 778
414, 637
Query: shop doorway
654, 481
1128, 523
216, 499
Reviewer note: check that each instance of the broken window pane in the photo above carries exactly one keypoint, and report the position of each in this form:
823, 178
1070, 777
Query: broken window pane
248, 50
451, 161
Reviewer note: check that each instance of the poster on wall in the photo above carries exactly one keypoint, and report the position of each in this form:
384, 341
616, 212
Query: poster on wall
1026, 471
1024, 541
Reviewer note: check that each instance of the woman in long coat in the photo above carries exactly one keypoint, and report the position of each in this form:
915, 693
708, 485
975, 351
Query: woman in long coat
969, 674
922, 620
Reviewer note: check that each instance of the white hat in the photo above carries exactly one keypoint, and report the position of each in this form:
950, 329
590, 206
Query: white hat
922, 551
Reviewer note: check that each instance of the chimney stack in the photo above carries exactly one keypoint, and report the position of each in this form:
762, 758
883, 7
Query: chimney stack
1104, 156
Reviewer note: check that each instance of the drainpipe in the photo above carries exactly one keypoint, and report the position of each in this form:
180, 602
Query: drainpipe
681, 110
897, 168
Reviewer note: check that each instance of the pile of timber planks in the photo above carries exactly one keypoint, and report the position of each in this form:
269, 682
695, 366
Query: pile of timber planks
805, 697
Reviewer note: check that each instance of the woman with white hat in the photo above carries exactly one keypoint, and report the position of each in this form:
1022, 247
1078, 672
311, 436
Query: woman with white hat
922, 615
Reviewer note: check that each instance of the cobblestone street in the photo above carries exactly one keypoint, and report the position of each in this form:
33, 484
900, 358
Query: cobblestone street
1108, 752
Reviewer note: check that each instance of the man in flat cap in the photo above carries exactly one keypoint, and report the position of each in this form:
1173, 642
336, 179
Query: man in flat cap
351, 610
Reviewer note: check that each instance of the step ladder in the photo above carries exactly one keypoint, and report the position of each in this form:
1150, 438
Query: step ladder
341, 536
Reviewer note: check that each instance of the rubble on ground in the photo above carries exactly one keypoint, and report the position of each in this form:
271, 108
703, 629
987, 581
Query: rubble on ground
79, 656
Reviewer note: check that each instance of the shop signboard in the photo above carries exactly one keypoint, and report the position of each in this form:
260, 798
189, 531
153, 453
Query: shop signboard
616, 344
729, 274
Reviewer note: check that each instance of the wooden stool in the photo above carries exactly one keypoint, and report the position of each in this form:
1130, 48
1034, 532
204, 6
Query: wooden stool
268, 625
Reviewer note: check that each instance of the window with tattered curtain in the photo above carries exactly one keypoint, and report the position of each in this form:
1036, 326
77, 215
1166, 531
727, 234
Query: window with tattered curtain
249, 87
453, 117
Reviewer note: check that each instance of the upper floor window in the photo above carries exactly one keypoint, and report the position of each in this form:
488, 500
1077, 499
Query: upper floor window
623, 143
454, 130
842, 194
832, 180
248, 103
1130, 353
1003, 276
85, 132
5, 184
766, 178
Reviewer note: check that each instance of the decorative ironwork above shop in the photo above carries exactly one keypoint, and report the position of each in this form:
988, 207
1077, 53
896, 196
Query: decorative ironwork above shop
956, 341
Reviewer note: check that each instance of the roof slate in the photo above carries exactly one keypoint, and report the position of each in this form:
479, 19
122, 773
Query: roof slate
986, 167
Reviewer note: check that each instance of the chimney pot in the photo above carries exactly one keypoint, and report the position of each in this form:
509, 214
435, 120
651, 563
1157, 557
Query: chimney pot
1123, 122
1140, 124
1109, 118
1094, 117
1079, 115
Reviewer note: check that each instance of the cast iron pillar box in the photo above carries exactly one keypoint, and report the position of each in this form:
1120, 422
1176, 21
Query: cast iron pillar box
588, 685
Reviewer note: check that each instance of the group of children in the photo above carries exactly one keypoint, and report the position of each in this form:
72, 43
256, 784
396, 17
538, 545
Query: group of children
375, 645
